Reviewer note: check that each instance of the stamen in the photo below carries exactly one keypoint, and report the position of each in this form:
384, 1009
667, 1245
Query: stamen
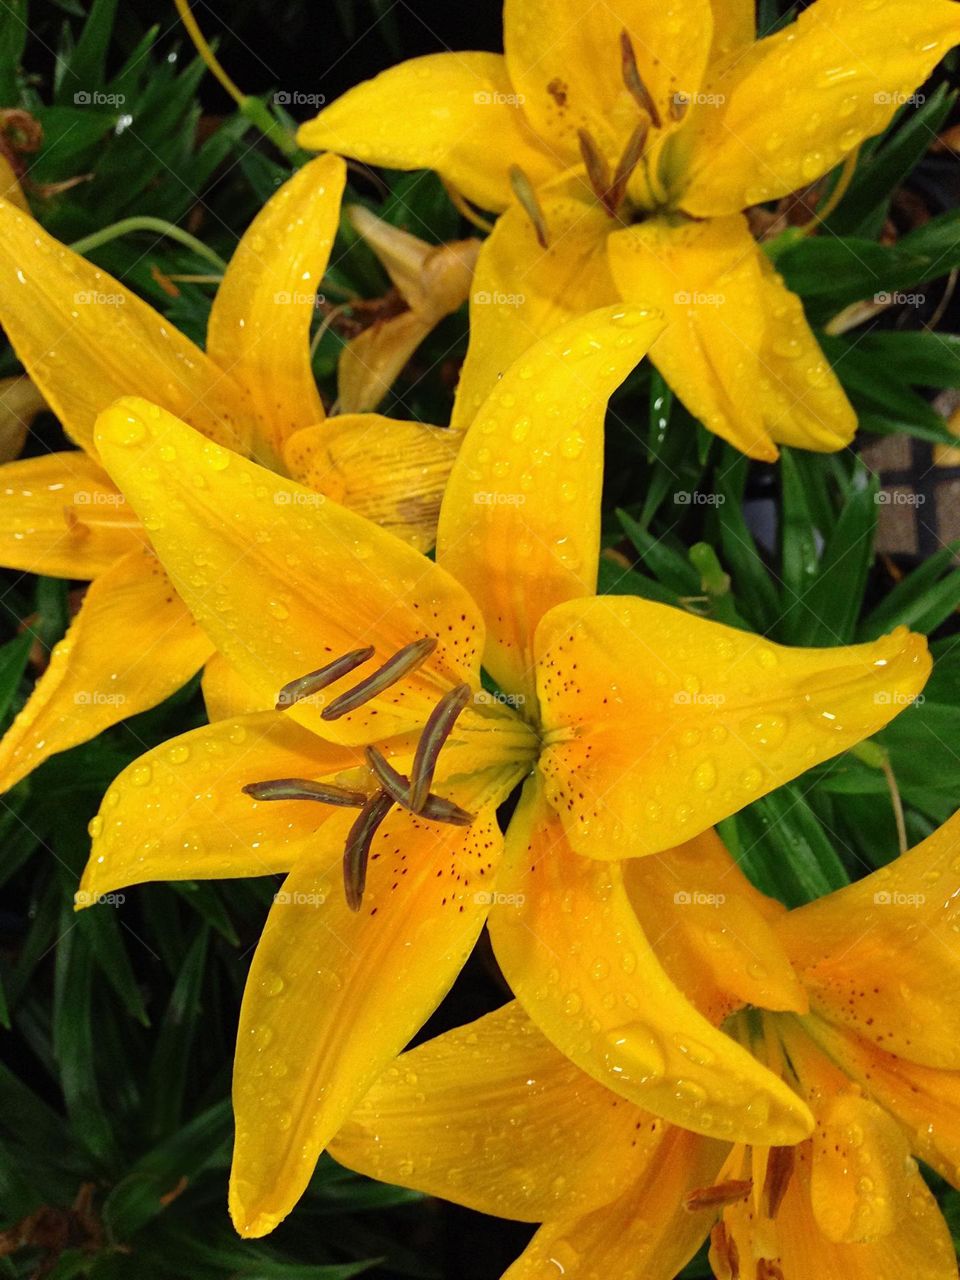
305, 789
632, 155
634, 81
779, 1172
722, 1194
435, 808
523, 190
401, 664
724, 1252
314, 681
435, 733
356, 852
598, 171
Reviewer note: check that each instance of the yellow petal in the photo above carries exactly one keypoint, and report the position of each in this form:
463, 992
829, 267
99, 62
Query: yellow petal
227, 695
370, 363
10, 189
85, 340
132, 644
20, 402
333, 995
565, 58
711, 929
925, 1100
456, 113
526, 487
289, 581
809, 96
179, 811
674, 722
61, 514
259, 329
573, 952
493, 1117
393, 473
880, 956
523, 291
801, 399
734, 28
705, 278
647, 1234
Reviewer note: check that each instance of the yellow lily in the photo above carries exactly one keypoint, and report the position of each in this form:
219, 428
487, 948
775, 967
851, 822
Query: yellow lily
86, 340
492, 1116
636, 726
623, 140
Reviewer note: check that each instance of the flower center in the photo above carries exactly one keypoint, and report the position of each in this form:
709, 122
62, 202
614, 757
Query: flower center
413, 793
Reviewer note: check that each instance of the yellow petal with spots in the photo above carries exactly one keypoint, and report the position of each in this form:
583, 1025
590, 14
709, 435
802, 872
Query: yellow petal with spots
456, 113
62, 515
285, 581
259, 329
573, 952
85, 340
808, 96
132, 644
393, 473
671, 722
526, 486
494, 1117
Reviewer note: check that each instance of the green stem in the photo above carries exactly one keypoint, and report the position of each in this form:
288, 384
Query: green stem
159, 225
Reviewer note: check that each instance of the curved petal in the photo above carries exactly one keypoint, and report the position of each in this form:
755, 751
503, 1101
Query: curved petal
393, 473
179, 811
61, 514
565, 59
880, 956
674, 722
226, 695
573, 952
493, 1117
132, 644
523, 291
705, 277
456, 113
734, 28
285, 581
370, 363
712, 931
259, 328
526, 487
810, 95
647, 1234
85, 340
333, 995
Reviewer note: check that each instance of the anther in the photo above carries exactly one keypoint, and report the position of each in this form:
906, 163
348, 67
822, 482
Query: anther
780, 1168
632, 155
401, 664
435, 733
634, 81
523, 190
716, 1197
598, 171
356, 852
314, 681
305, 789
435, 808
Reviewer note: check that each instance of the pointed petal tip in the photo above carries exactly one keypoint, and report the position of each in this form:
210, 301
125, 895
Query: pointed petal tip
250, 1223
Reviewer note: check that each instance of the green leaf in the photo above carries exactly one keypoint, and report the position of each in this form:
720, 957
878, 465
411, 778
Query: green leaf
14, 656
915, 597
669, 564
785, 850
835, 597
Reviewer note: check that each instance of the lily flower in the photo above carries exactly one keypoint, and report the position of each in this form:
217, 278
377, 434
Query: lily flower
492, 1116
85, 340
634, 725
622, 142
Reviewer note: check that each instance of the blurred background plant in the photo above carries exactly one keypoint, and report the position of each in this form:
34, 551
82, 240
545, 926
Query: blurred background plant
118, 1024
